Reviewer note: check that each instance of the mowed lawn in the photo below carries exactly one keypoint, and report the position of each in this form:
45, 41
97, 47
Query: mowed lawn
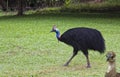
28, 49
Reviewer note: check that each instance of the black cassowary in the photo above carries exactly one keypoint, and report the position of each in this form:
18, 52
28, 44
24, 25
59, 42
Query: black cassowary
81, 39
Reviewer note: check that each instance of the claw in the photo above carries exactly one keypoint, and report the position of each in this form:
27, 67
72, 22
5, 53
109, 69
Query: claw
66, 64
88, 66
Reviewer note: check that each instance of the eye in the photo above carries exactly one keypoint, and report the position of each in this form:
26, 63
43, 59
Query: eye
112, 56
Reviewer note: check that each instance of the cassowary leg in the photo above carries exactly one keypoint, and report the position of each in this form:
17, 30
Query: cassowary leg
74, 54
87, 58
88, 62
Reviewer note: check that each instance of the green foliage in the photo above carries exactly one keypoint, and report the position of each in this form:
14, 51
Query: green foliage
67, 2
92, 7
28, 49
49, 10
83, 7
113, 1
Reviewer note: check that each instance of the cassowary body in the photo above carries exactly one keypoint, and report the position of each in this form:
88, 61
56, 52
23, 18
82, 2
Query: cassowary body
81, 39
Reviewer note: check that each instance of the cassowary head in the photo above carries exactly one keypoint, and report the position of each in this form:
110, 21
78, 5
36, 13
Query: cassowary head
110, 56
54, 29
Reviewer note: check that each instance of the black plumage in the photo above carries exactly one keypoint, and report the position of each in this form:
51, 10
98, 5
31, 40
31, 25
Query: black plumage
83, 39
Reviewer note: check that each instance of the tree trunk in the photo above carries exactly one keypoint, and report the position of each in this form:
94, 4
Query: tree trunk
3, 5
20, 7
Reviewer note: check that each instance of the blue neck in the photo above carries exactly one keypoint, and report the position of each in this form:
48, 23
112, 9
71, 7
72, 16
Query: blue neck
57, 34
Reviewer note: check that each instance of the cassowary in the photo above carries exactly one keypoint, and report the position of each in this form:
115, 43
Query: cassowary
111, 71
81, 39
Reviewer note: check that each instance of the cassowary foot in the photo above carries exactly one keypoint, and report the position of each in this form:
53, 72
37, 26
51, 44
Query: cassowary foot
66, 64
88, 66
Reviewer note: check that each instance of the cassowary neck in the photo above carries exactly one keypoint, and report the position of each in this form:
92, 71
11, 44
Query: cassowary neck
57, 34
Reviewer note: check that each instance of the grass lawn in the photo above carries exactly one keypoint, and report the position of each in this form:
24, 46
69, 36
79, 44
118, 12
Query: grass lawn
28, 49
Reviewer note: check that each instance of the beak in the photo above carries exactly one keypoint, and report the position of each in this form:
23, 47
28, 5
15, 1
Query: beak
51, 31
108, 58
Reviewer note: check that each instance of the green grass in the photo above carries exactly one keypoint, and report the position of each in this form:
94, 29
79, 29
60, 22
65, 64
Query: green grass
28, 49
